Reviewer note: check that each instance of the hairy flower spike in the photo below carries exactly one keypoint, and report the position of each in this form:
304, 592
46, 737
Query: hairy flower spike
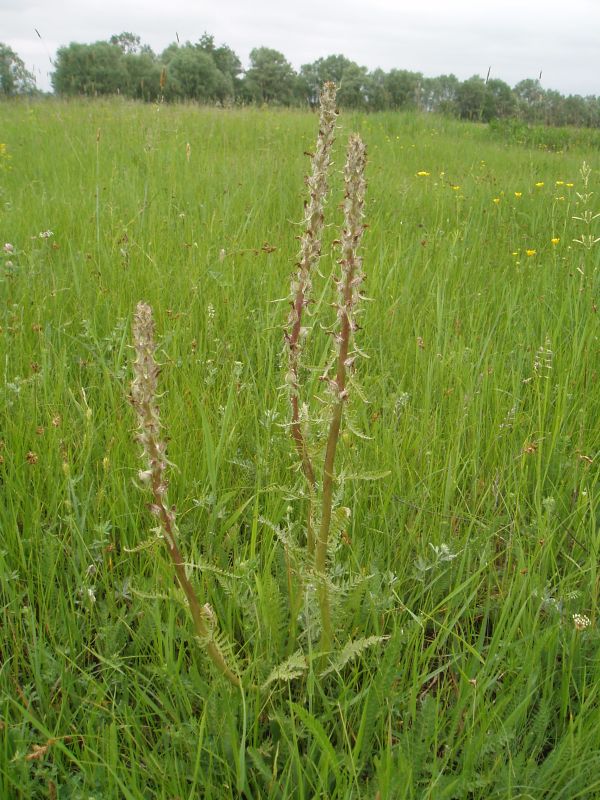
310, 241
351, 262
348, 295
308, 260
144, 391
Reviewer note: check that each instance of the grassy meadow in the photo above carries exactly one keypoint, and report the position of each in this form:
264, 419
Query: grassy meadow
473, 540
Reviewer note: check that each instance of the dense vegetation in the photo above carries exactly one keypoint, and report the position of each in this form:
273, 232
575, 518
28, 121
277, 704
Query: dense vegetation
474, 532
15, 78
207, 73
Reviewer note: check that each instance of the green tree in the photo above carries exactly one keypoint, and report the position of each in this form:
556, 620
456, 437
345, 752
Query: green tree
403, 88
554, 108
128, 43
143, 74
530, 100
270, 77
377, 98
499, 101
592, 105
224, 57
14, 77
351, 79
576, 111
470, 98
193, 75
440, 94
201, 71
90, 69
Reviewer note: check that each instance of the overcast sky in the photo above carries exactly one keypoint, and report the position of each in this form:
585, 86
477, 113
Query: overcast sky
516, 38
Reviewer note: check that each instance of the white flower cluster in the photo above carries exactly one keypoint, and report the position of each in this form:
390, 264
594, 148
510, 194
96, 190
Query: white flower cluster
581, 622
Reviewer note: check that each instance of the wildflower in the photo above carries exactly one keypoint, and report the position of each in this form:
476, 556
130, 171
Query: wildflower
144, 392
45, 234
423, 174
402, 401
581, 622
515, 253
560, 183
455, 187
530, 252
539, 184
496, 200
555, 240
549, 504
518, 194
543, 359
570, 185
32, 458
9, 248
308, 262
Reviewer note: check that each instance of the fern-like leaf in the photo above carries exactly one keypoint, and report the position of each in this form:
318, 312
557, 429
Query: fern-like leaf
290, 669
352, 650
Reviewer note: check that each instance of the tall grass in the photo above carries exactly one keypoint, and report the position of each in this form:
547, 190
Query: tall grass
471, 549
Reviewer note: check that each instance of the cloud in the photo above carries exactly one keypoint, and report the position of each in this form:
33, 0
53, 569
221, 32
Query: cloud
517, 39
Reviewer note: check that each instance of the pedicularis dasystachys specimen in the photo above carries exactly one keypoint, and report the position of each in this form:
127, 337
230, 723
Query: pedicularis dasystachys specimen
348, 290
144, 390
301, 287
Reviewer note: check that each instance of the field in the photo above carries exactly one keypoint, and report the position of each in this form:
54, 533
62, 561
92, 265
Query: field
468, 569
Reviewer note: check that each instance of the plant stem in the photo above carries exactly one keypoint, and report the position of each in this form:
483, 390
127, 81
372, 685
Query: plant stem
348, 294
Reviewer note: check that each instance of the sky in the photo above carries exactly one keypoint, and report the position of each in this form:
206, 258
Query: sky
515, 39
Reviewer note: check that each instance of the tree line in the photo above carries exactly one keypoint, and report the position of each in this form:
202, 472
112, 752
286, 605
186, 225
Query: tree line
207, 73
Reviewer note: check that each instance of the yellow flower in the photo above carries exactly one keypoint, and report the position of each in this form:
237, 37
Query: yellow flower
423, 174
560, 183
496, 200
518, 194
455, 187
515, 253
530, 252
555, 240
539, 184
570, 185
